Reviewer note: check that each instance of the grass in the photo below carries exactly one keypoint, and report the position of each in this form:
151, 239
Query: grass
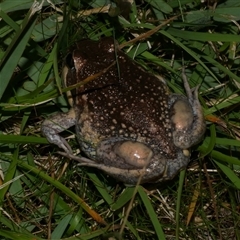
45, 196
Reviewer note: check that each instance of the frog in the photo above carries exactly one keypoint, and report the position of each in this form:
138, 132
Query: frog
127, 122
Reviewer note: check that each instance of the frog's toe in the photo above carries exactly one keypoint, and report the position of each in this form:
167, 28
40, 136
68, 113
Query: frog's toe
54, 138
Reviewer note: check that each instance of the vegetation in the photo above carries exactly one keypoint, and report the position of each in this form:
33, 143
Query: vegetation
46, 196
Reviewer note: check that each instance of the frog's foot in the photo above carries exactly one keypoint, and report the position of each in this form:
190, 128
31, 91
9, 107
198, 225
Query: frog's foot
118, 152
53, 137
82, 160
56, 124
128, 176
187, 117
159, 169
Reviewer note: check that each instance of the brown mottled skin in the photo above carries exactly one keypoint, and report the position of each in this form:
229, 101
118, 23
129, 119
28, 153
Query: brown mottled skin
126, 120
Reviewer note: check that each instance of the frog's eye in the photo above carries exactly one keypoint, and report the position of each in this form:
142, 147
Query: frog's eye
69, 61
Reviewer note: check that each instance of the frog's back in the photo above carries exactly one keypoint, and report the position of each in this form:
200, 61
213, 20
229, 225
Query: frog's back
125, 101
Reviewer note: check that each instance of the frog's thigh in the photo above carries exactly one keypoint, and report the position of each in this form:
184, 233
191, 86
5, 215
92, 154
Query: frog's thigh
188, 125
52, 126
182, 119
157, 170
127, 152
183, 115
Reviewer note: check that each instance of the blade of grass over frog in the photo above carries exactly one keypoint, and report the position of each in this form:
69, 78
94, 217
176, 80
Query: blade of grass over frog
22, 139
189, 51
88, 79
9, 175
124, 198
34, 98
64, 189
54, 93
200, 36
151, 213
227, 103
15, 50
178, 205
18, 235
229, 173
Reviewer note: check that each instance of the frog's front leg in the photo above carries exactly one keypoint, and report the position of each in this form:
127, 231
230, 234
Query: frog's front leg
53, 126
187, 117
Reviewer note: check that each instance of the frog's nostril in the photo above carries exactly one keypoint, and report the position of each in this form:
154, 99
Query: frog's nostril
134, 153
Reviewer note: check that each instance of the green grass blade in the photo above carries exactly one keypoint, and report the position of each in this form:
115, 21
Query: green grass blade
151, 213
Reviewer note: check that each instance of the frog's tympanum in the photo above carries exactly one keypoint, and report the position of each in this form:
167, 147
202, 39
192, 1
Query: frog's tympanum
127, 123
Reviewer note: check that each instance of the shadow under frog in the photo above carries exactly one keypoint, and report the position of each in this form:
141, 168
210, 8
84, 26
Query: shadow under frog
127, 123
